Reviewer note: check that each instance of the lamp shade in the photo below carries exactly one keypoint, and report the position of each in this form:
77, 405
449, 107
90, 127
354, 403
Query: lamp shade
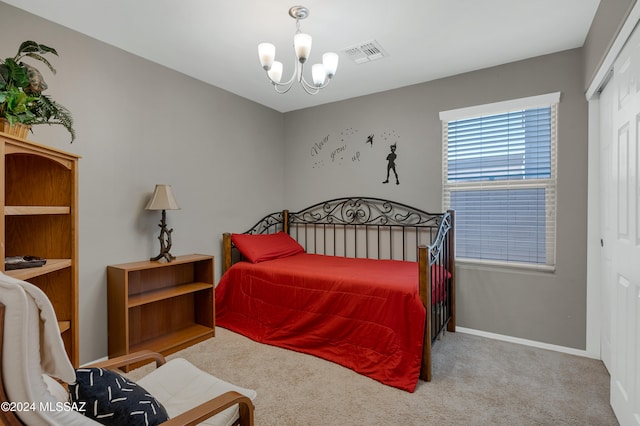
162, 199
266, 53
302, 46
330, 62
275, 73
318, 73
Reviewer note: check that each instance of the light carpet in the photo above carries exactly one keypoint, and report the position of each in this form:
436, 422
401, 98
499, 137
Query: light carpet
476, 381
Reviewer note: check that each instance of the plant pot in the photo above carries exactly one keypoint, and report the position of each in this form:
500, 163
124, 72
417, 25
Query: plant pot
18, 129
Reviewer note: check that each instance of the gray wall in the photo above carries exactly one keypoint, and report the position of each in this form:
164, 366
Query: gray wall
227, 159
327, 156
139, 124
605, 26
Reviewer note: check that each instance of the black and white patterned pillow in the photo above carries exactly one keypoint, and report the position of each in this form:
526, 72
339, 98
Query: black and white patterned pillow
112, 399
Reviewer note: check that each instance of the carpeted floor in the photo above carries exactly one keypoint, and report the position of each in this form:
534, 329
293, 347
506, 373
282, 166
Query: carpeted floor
477, 381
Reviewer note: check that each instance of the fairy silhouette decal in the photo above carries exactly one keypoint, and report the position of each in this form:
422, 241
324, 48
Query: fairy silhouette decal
391, 164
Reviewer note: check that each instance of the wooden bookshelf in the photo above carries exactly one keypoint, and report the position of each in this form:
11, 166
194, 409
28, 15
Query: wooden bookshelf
160, 306
40, 218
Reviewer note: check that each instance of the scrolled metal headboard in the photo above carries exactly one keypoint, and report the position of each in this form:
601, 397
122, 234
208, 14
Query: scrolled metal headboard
270, 224
364, 211
364, 227
361, 227
438, 244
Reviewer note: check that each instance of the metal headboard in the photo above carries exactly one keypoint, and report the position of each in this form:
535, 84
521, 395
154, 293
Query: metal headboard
361, 227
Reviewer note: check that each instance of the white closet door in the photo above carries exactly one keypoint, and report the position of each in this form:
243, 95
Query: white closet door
622, 194
606, 222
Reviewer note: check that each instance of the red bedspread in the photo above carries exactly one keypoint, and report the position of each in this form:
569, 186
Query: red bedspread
360, 313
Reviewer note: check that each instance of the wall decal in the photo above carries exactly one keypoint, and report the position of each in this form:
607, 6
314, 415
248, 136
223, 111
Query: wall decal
388, 136
336, 148
317, 147
335, 153
346, 133
391, 163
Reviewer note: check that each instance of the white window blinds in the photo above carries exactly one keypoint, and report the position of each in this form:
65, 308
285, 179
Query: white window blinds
499, 175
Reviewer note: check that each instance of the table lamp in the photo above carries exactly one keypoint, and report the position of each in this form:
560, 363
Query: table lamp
164, 200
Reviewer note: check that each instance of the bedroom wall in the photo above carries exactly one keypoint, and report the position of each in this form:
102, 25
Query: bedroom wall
131, 114
139, 124
327, 155
608, 20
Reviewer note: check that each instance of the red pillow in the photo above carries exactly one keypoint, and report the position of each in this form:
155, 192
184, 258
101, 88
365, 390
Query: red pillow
261, 247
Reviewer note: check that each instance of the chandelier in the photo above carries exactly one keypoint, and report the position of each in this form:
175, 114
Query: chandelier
321, 74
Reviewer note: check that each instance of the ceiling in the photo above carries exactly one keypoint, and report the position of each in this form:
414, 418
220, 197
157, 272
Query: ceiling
216, 41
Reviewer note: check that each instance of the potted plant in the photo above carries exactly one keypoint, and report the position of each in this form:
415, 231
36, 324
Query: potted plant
22, 103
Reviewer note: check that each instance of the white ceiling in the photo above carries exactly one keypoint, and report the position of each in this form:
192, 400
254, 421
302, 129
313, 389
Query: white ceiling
216, 41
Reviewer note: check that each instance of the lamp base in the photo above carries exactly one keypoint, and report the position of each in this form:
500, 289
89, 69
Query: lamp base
165, 240
167, 256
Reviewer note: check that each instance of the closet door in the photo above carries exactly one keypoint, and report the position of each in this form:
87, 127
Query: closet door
607, 228
622, 193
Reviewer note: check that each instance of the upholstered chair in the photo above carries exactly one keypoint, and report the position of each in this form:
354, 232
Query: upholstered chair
39, 386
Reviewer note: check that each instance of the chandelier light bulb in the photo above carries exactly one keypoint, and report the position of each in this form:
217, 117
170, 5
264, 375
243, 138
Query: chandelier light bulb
266, 53
330, 62
321, 74
302, 45
275, 73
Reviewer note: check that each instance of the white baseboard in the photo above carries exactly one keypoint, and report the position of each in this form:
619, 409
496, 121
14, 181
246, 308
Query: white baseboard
533, 343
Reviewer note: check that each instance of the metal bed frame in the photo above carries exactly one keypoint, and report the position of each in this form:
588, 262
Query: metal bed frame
377, 229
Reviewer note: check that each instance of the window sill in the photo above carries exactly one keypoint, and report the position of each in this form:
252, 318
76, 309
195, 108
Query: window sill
498, 265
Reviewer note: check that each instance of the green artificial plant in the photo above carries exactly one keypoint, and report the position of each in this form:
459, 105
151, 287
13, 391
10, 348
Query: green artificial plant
21, 86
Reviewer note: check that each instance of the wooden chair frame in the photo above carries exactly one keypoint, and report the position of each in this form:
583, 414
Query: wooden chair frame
191, 417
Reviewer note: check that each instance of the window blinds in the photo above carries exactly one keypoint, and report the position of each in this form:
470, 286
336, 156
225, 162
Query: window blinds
499, 174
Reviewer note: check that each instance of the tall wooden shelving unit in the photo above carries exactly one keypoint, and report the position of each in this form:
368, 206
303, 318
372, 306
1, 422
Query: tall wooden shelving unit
40, 218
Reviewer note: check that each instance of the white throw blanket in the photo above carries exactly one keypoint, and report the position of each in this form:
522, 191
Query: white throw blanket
54, 359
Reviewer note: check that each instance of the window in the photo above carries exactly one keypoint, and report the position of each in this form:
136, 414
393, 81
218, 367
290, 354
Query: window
499, 175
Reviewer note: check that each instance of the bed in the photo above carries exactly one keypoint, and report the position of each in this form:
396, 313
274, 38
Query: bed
345, 280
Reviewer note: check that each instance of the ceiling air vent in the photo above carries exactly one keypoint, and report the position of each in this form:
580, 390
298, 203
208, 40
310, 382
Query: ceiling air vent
365, 52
